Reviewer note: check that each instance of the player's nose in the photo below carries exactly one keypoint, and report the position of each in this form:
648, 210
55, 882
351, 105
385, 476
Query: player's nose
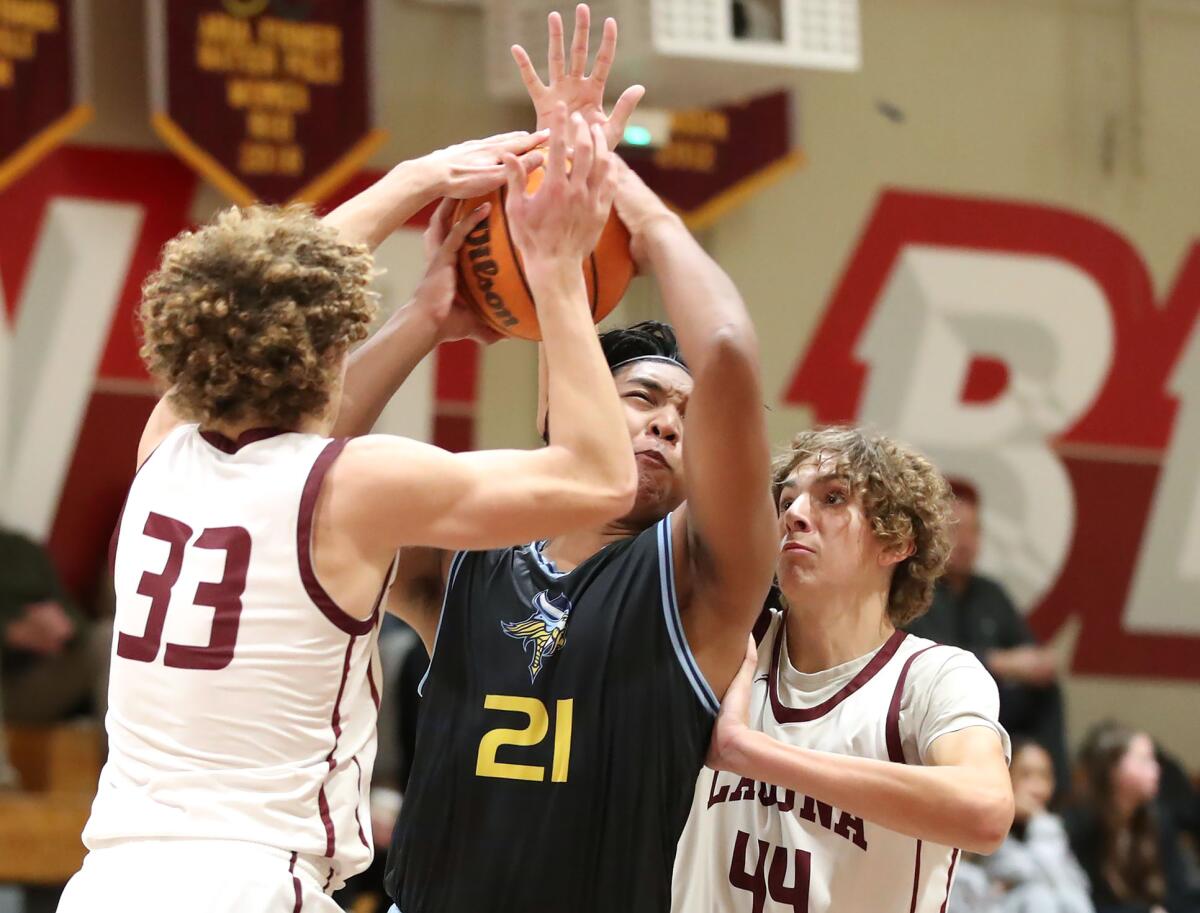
798, 517
666, 425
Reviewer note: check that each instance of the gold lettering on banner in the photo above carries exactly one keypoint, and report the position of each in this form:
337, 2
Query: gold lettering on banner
695, 136
269, 66
687, 155
31, 15
21, 21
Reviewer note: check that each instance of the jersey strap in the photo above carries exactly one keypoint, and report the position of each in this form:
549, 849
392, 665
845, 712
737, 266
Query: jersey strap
304, 527
683, 652
894, 746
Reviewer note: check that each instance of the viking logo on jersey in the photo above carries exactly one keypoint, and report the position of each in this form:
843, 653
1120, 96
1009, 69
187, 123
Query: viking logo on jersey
545, 629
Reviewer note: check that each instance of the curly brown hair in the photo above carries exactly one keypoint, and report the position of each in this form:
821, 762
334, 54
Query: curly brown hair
903, 495
245, 318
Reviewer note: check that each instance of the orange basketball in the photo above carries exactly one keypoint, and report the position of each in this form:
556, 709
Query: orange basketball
492, 279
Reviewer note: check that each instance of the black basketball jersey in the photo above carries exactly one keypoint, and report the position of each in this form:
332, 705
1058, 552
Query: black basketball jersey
563, 724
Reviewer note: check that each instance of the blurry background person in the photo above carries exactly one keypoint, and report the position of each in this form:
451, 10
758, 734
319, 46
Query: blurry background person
975, 613
52, 658
1034, 870
1129, 850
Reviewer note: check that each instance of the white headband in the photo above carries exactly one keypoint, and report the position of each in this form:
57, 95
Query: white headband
664, 358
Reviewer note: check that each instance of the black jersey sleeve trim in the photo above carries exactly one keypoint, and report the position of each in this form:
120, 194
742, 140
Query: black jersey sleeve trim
683, 652
455, 564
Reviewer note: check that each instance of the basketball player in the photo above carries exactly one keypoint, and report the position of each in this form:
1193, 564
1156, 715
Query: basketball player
574, 680
851, 762
253, 551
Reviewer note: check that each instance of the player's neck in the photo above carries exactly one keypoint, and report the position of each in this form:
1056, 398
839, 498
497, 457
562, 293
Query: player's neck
234, 430
570, 550
826, 630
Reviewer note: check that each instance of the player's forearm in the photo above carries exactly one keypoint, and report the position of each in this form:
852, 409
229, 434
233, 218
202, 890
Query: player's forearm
369, 217
701, 301
588, 420
380, 366
951, 805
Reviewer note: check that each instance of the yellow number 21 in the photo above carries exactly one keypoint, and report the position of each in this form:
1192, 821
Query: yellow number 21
486, 764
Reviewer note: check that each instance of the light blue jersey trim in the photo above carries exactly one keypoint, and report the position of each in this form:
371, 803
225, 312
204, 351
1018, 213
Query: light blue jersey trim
683, 652
455, 564
535, 549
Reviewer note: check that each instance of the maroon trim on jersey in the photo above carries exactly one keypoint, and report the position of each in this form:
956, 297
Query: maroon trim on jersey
950, 878
295, 884
916, 879
328, 879
251, 436
786, 714
761, 626
371, 682
323, 810
358, 804
892, 728
308, 502
116, 533
335, 723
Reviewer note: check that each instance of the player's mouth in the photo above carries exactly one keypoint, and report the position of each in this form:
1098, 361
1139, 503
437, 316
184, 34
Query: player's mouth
798, 548
652, 456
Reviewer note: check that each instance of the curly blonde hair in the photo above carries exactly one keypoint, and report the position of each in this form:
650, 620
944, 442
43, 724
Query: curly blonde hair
903, 494
245, 318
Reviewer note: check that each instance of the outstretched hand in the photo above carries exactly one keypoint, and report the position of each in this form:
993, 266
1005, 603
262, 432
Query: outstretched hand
476, 167
564, 217
437, 294
582, 94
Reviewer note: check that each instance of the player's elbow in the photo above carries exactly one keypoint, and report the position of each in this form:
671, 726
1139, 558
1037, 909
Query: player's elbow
732, 349
989, 820
621, 493
609, 495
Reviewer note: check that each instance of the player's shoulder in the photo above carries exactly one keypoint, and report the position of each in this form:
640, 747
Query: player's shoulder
929, 661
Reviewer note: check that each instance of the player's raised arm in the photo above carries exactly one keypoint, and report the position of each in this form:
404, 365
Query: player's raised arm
411, 494
725, 533
377, 370
433, 315
460, 171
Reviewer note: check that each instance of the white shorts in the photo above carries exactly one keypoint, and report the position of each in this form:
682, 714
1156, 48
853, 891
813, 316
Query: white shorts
196, 876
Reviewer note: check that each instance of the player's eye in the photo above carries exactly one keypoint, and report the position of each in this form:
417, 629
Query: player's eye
785, 503
835, 496
638, 394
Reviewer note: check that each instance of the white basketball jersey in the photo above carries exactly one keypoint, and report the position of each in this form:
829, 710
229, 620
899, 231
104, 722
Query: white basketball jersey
752, 847
242, 700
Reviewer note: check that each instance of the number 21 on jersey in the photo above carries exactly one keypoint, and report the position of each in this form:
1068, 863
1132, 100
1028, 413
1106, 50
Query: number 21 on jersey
486, 764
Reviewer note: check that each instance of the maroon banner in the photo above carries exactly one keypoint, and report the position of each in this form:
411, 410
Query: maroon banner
268, 99
718, 157
40, 81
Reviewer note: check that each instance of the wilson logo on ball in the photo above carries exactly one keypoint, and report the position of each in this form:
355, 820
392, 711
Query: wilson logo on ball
492, 279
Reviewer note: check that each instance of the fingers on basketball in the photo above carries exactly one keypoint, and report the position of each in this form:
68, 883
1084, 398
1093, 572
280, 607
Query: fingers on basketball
462, 228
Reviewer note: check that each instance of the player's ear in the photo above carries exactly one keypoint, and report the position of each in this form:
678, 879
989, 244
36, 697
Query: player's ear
893, 555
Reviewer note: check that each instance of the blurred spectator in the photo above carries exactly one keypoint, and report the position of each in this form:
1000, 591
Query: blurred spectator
1129, 850
51, 658
1034, 867
974, 612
